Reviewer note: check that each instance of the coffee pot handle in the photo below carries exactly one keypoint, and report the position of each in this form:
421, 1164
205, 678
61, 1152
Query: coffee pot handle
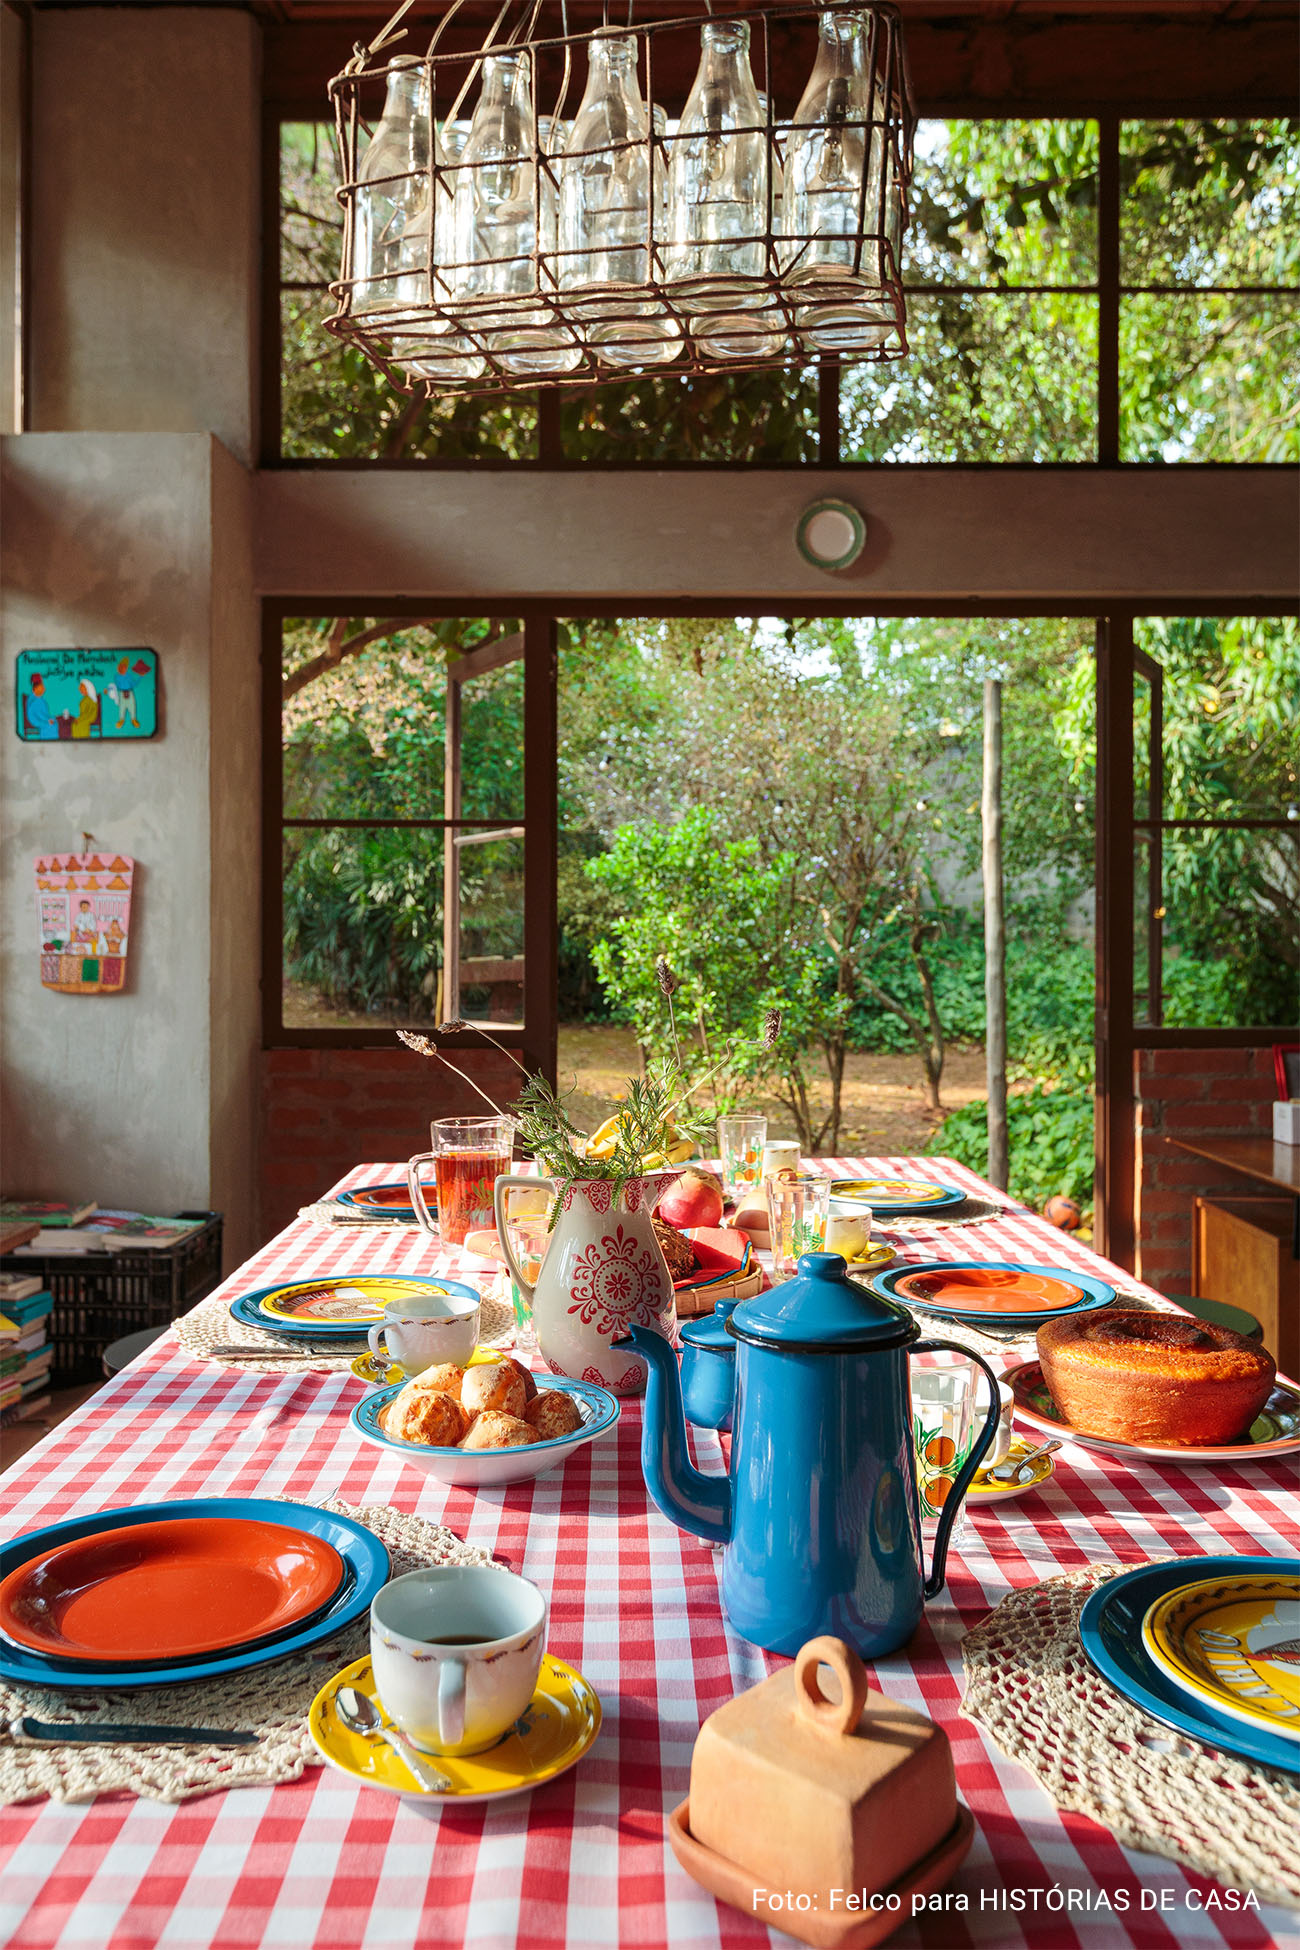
952, 1503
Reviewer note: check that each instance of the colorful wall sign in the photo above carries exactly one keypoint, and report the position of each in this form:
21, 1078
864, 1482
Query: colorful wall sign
81, 695
85, 909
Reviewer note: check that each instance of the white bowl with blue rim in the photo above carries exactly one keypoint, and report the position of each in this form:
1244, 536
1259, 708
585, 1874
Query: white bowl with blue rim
482, 1469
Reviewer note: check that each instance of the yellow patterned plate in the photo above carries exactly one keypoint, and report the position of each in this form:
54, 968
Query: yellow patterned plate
986, 1489
1234, 1645
382, 1374
356, 1300
559, 1725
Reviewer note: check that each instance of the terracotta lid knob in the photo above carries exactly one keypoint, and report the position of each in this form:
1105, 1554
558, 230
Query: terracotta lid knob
832, 1716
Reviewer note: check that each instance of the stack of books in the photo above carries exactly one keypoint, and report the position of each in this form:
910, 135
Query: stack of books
100, 1229
25, 1352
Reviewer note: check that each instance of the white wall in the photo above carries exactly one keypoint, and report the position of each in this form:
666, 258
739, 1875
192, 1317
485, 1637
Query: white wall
107, 540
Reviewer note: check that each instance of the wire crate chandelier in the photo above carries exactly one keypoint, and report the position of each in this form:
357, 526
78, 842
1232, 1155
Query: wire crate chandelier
731, 226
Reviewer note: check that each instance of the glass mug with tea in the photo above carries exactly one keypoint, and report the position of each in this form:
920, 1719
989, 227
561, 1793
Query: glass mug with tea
456, 1650
468, 1156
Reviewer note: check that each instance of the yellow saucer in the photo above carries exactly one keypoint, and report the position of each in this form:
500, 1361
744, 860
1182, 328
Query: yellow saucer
983, 1488
1234, 1645
872, 1258
382, 1374
560, 1723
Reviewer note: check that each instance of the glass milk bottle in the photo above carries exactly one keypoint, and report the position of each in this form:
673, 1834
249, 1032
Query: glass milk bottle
392, 185
496, 225
426, 268
718, 202
605, 211
835, 167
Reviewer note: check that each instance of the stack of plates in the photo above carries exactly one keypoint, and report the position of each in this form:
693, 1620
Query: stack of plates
1209, 1646
335, 1308
162, 1593
391, 1202
909, 1198
1001, 1293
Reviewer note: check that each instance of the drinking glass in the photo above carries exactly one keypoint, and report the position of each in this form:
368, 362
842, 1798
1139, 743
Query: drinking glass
468, 1156
943, 1430
740, 1146
529, 1239
798, 1204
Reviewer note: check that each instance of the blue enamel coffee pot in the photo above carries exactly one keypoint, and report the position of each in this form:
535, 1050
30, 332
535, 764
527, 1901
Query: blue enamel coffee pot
820, 1514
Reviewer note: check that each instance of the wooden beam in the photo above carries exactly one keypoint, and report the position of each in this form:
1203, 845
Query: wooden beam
488, 656
1035, 60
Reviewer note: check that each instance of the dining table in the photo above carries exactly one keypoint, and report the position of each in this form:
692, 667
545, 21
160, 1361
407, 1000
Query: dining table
584, 1861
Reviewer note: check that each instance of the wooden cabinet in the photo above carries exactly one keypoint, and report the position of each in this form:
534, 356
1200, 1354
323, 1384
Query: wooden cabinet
1241, 1254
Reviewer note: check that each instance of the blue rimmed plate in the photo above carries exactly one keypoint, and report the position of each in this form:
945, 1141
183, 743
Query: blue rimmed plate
1003, 1293
366, 1569
338, 1307
482, 1469
899, 1198
1110, 1629
388, 1202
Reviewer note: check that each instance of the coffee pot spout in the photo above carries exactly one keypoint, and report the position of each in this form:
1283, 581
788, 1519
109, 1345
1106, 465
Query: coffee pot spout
700, 1504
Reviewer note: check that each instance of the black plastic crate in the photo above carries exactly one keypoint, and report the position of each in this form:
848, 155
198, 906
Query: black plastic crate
98, 1297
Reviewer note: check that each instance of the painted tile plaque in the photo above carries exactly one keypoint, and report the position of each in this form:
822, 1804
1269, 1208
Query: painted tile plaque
84, 695
85, 910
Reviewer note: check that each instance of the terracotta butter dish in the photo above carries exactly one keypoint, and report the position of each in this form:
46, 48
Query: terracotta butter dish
839, 1800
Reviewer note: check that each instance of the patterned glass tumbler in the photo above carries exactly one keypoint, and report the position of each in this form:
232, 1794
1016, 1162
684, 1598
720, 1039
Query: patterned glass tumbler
944, 1428
798, 1204
740, 1146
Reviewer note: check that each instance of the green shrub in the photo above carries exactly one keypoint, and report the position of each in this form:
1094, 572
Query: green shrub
1050, 1142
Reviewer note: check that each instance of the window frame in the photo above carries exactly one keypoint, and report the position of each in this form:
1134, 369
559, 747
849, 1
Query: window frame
1109, 289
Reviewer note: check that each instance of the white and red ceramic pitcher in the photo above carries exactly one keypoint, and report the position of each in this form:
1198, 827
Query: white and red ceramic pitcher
603, 1273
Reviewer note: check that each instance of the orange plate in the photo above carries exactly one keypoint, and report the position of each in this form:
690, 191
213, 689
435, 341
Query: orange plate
169, 1590
988, 1290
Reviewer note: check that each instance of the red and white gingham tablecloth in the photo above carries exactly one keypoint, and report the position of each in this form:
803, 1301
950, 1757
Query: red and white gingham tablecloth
584, 1863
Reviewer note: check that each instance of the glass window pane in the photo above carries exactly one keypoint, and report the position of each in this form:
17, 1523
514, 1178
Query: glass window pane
1231, 928
761, 417
311, 222
1230, 693
1003, 203
336, 405
1210, 203
1009, 377
1146, 958
364, 737
1209, 377
491, 929
362, 928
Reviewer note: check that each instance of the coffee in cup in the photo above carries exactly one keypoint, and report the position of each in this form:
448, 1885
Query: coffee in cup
456, 1650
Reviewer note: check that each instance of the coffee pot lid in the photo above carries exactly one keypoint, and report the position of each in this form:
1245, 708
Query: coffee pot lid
822, 1311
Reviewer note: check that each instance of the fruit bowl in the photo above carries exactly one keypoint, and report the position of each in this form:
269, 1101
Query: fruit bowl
482, 1469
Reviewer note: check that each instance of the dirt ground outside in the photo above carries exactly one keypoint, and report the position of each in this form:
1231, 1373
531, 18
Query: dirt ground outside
884, 1109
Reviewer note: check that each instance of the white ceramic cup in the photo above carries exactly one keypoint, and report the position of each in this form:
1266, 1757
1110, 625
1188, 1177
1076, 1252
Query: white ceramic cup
779, 1154
456, 1651
424, 1330
848, 1229
1000, 1447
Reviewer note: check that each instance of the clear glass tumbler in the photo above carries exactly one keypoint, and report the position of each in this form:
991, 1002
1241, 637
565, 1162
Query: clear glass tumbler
798, 1204
740, 1146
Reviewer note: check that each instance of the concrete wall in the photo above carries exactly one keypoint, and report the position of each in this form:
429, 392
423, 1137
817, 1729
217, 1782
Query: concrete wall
142, 1098
145, 215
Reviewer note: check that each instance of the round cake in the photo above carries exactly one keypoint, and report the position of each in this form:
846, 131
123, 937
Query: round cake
1154, 1378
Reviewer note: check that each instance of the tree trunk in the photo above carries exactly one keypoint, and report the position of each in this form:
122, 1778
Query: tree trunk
995, 947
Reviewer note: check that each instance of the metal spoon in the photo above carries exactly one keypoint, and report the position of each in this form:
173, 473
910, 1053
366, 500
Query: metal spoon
363, 1716
1012, 1472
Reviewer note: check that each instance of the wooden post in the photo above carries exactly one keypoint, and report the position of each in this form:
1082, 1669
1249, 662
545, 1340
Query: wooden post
450, 984
995, 941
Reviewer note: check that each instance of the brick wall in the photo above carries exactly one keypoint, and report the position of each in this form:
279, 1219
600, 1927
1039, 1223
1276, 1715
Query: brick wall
325, 1110
1190, 1093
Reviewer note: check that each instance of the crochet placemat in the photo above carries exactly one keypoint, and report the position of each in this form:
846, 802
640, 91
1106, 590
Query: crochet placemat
271, 1701
974, 1212
1030, 1686
211, 1325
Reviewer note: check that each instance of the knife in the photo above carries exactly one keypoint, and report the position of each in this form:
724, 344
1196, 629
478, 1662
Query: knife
85, 1733
300, 1353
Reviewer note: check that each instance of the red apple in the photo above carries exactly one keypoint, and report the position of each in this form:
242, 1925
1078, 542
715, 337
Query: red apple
695, 1200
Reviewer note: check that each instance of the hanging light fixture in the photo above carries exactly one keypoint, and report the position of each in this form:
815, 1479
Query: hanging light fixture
487, 246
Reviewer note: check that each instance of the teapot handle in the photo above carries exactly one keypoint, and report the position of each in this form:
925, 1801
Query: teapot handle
952, 1503
832, 1716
